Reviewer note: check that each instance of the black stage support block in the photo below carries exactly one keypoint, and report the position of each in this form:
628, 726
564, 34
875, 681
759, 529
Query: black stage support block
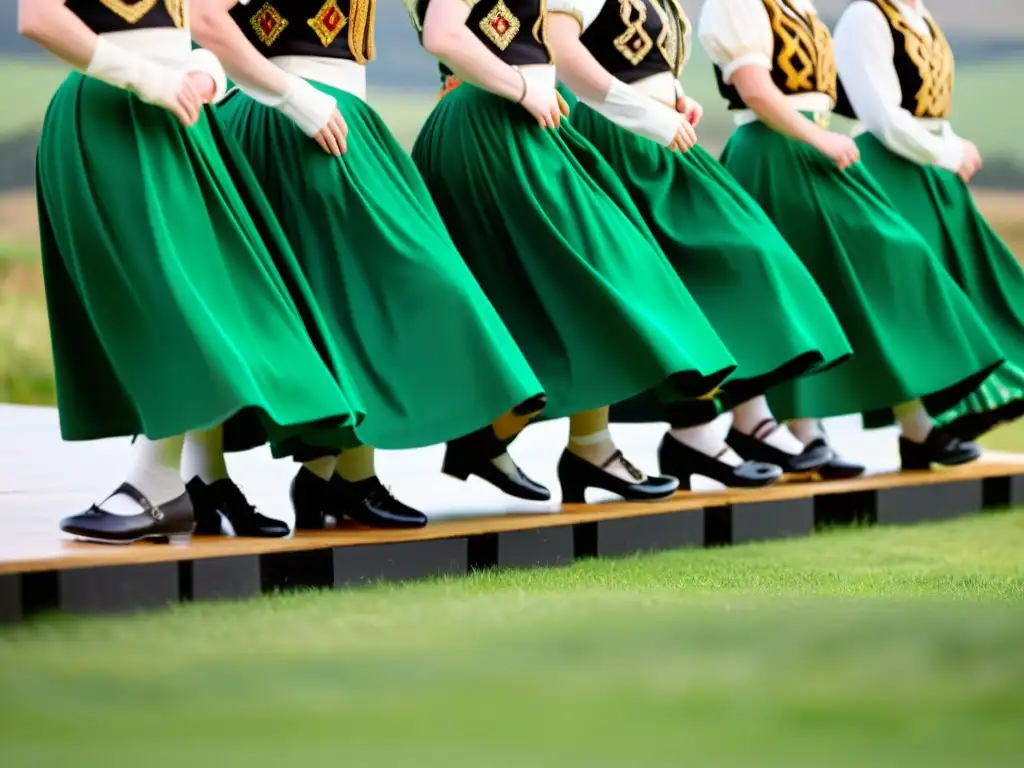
550, 546
305, 569
921, 503
406, 561
629, 535
10, 599
118, 588
759, 521
837, 509
219, 578
1004, 492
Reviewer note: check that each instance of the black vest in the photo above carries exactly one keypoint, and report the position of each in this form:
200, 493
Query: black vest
924, 67
334, 29
802, 59
634, 39
120, 15
513, 30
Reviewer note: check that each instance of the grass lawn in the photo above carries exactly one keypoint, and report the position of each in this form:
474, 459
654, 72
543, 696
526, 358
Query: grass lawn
863, 647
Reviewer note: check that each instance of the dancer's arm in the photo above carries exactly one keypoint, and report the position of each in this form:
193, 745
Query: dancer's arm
737, 36
446, 37
864, 57
599, 89
315, 112
50, 24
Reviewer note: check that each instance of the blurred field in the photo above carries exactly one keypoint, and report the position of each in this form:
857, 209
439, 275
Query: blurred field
899, 647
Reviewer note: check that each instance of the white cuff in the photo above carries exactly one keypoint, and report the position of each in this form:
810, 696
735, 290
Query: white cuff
748, 59
638, 113
952, 155
307, 107
202, 60
153, 83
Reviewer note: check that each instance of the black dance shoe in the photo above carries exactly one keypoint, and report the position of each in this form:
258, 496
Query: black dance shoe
473, 454
575, 475
366, 502
750, 448
171, 521
938, 448
836, 468
220, 500
680, 460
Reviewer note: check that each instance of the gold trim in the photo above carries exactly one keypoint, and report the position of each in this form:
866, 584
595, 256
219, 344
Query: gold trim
268, 12
362, 15
635, 43
501, 25
575, 14
319, 23
806, 58
671, 40
178, 11
933, 59
131, 12
540, 29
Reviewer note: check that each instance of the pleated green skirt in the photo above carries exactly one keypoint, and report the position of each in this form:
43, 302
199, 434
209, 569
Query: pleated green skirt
590, 299
430, 357
759, 297
939, 206
914, 333
175, 302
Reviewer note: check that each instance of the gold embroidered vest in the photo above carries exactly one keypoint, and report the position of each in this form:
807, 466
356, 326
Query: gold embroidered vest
334, 29
103, 16
634, 39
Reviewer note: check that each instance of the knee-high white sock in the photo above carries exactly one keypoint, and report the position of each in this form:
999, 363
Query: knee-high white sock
155, 471
915, 423
597, 449
806, 430
755, 418
322, 467
203, 456
708, 441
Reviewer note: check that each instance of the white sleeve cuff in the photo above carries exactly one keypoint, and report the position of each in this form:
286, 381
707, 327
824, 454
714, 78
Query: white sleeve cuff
584, 11
202, 60
308, 107
952, 155
638, 113
748, 59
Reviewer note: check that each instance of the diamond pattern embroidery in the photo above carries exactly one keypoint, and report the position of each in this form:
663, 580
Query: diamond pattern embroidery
328, 22
500, 25
268, 24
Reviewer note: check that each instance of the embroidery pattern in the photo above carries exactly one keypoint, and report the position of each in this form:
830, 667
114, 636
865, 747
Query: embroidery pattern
806, 58
328, 23
133, 13
933, 59
635, 43
500, 25
540, 29
178, 11
671, 39
268, 24
362, 15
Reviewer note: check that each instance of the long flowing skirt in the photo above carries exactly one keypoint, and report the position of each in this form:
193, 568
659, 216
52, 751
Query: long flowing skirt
914, 333
940, 207
587, 294
430, 357
175, 302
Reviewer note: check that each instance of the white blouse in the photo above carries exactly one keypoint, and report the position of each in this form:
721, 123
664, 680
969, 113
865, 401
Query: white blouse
864, 58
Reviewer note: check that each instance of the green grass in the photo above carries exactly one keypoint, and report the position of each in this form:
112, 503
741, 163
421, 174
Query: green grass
27, 88
859, 647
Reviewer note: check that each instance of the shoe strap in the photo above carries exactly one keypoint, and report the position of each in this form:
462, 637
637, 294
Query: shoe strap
721, 453
771, 423
133, 493
619, 458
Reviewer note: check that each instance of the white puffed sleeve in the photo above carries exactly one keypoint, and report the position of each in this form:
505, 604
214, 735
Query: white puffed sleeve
736, 34
202, 60
864, 58
584, 11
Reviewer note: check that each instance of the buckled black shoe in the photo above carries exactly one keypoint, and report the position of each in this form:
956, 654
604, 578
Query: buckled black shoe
575, 475
366, 502
473, 454
836, 468
220, 500
750, 448
680, 460
171, 521
939, 448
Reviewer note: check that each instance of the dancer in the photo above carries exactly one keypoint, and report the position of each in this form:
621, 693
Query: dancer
896, 77
919, 346
724, 248
175, 304
430, 357
593, 303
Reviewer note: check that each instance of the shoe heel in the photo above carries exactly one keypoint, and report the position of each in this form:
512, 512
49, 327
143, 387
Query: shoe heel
914, 458
453, 468
685, 482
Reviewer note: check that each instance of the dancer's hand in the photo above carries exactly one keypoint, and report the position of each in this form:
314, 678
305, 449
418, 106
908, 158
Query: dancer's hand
971, 163
332, 138
188, 102
685, 138
690, 109
842, 150
546, 105
204, 84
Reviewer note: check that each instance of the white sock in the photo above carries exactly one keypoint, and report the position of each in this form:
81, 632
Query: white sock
505, 464
755, 418
322, 467
597, 449
915, 423
708, 441
155, 471
807, 430
203, 456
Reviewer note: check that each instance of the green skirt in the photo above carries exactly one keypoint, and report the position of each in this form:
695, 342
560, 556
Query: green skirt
757, 294
431, 359
940, 207
913, 331
587, 294
175, 302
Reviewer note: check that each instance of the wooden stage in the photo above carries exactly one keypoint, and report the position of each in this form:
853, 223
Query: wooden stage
472, 526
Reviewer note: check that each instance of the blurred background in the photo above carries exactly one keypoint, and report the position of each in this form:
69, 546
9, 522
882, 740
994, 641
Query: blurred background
987, 36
